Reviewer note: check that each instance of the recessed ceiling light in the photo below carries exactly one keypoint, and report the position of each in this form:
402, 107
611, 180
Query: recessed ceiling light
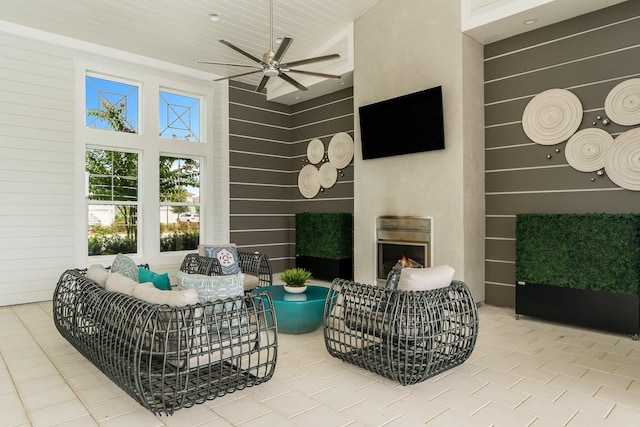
278, 40
530, 21
213, 17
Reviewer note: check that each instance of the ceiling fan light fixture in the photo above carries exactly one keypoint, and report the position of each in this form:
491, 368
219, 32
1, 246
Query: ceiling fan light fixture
271, 64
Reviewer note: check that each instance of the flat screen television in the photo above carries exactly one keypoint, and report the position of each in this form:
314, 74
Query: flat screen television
407, 124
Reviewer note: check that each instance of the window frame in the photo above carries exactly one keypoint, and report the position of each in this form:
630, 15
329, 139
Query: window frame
151, 146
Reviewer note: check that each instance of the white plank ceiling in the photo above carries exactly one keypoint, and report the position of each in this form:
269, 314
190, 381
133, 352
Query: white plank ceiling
179, 31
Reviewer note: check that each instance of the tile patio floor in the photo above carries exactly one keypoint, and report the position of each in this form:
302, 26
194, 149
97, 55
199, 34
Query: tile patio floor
522, 373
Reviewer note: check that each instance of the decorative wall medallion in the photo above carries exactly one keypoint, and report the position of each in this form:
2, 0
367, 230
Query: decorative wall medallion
552, 116
341, 150
308, 181
622, 161
315, 151
622, 104
328, 175
587, 149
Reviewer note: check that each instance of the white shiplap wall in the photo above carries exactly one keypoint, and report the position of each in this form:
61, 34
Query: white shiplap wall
36, 168
38, 161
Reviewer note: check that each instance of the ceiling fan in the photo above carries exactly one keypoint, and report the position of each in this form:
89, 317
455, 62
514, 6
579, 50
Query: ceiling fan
271, 65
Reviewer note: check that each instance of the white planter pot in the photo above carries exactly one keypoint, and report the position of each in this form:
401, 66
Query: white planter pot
295, 289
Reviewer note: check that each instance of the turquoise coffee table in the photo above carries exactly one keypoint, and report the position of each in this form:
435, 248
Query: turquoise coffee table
297, 313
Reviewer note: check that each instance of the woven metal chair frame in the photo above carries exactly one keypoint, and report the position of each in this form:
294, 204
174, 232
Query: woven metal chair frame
168, 358
401, 335
253, 263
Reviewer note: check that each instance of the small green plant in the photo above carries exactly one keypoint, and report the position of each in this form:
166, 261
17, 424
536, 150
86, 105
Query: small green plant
295, 277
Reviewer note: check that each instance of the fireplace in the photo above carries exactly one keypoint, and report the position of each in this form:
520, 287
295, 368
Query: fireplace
401, 236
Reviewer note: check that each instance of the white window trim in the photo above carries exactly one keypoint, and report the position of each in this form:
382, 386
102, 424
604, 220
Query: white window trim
212, 152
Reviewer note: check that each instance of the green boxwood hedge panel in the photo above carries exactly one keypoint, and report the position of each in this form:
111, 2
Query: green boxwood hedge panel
584, 251
324, 235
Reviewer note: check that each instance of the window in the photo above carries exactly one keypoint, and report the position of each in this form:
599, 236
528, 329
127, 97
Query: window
135, 180
112, 201
111, 105
179, 117
179, 204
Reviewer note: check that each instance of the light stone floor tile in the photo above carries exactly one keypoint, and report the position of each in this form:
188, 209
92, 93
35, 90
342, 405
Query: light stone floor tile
461, 382
450, 418
575, 384
584, 419
616, 395
502, 395
460, 401
368, 413
564, 368
528, 358
586, 404
625, 414
291, 404
522, 373
546, 410
322, 416
538, 374
536, 388
498, 415
607, 379
240, 410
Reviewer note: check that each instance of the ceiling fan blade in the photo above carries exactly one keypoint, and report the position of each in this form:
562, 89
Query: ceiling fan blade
247, 54
289, 80
238, 75
313, 73
227, 63
262, 84
284, 46
311, 60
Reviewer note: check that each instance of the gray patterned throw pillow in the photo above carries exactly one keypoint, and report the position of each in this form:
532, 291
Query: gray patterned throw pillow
125, 266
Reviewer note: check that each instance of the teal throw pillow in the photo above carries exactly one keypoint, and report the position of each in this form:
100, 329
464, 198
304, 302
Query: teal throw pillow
126, 266
227, 256
159, 280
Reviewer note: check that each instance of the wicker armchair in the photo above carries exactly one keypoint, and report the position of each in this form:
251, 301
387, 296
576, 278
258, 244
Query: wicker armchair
401, 335
254, 264
167, 357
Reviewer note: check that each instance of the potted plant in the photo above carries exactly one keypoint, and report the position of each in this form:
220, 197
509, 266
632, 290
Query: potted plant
295, 280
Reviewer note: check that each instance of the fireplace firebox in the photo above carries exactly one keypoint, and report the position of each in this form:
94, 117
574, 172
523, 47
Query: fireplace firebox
398, 237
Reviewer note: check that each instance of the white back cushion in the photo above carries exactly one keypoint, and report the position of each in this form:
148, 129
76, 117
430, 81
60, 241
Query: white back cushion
423, 279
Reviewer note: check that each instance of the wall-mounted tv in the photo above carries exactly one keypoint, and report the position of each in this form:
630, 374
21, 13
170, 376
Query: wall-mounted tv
407, 124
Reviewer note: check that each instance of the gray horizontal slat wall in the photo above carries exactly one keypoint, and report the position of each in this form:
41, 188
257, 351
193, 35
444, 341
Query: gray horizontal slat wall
267, 144
588, 56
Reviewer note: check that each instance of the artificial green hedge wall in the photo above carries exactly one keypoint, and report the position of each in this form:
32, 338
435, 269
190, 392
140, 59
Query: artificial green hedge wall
324, 235
585, 251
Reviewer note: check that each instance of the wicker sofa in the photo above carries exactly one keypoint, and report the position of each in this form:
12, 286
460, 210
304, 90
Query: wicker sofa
405, 336
167, 357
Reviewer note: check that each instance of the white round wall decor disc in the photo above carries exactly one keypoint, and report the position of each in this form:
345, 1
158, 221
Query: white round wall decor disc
552, 116
587, 149
622, 161
340, 150
622, 104
328, 175
315, 151
308, 181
